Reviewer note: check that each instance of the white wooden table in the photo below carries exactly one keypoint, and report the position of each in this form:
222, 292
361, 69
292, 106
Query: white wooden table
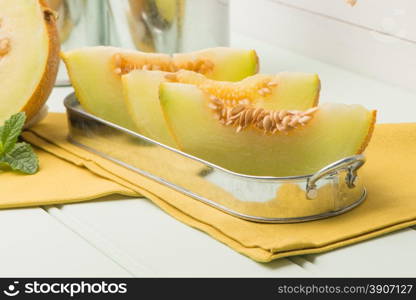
133, 237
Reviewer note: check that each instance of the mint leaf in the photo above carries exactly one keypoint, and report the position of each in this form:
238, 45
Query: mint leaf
18, 156
22, 158
1, 143
10, 131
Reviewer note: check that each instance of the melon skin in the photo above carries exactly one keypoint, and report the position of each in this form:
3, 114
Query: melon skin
336, 131
99, 88
44, 89
36, 73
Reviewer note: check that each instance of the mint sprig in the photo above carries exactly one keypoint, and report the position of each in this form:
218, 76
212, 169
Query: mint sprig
19, 156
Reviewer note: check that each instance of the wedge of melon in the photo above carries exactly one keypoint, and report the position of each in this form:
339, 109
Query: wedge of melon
95, 73
141, 93
29, 56
311, 140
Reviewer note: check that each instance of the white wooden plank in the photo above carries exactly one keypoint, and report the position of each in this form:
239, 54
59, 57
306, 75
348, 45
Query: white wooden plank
138, 269
392, 17
173, 249
382, 57
33, 244
391, 255
394, 104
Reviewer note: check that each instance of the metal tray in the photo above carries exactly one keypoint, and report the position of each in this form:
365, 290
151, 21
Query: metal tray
331, 191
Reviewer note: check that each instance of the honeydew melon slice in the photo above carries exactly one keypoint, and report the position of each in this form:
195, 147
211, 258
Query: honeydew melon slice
95, 73
141, 93
332, 132
29, 56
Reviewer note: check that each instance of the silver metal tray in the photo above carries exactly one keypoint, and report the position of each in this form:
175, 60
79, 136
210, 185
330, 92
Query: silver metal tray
331, 191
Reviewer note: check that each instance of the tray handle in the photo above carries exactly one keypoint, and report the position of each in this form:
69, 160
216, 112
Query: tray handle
350, 164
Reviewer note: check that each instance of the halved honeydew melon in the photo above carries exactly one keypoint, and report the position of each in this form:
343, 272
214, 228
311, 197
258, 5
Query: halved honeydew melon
141, 93
29, 56
95, 73
304, 143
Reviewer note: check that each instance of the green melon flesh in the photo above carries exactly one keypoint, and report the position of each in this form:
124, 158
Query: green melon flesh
336, 131
295, 91
141, 93
230, 64
99, 88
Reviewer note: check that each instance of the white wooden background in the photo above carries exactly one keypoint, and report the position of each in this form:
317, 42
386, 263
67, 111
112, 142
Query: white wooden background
375, 38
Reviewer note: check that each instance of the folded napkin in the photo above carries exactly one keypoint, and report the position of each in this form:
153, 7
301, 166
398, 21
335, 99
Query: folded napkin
71, 174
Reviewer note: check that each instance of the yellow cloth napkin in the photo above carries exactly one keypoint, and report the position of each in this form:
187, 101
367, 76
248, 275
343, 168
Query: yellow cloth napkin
58, 182
69, 173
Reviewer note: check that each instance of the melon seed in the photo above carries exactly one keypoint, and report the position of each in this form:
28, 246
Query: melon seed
171, 77
310, 111
276, 116
267, 123
303, 120
236, 109
286, 120
212, 106
294, 121
4, 46
282, 114
256, 112
248, 117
